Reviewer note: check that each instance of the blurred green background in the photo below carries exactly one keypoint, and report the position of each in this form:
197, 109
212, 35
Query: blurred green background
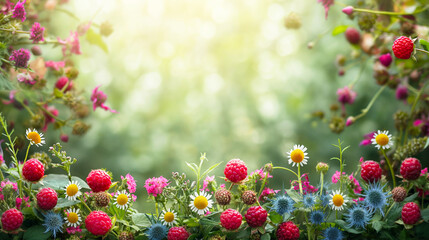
215, 76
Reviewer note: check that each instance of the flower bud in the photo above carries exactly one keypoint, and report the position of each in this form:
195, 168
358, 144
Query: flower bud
36, 51
322, 167
348, 10
268, 167
350, 120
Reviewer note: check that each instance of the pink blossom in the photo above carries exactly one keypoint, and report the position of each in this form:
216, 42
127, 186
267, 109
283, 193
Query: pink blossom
267, 193
326, 4
62, 82
36, 33
19, 11
424, 171
73, 230
131, 183
7, 182
48, 118
261, 174
25, 78
134, 197
346, 95
206, 183
98, 99
1, 197
401, 92
336, 176
355, 184
7, 7
1, 153
83, 28
222, 185
367, 139
18, 202
361, 160
350, 121
306, 186
348, 10
155, 186
359, 200
71, 44
20, 57
55, 65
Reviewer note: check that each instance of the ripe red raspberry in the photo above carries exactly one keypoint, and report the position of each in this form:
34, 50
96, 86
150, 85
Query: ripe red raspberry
403, 47
352, 35
256, 216
235, 170
33, 170
98, 223
411, 168
98, 180
62, 82
287, 231
370, 172
11, 219
47, 198
410, 213
230, 219
177, 233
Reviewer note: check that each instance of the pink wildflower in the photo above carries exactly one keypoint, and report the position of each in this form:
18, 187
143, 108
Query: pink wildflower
306, 186
71, 44
55, 65
131, 183
1, 153
222, 185
36, 33
7, 182
267, 193
25, 78
206, 183
63, 82
134, 197
261, 174
359, 200
336, 176
98, 99
155, 186
326, 4
19, 201
19, 11
20, 57
83, 28
73, 230
48, 118
401, 92
346, 95
355, 184
367, 139
350, 121
7, 7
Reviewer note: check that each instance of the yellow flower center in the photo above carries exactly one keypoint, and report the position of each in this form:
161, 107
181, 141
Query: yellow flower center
338, 200
122, 199
382, 139
34, 137
72, 217
297, 155
169, 216
72, 189
201, 202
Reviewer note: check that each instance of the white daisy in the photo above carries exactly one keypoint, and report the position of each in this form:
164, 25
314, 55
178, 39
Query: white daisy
73, 217
122, 200
338, 200
298, 155
201, 202
168, 217
72, 190
35, 137
382, 139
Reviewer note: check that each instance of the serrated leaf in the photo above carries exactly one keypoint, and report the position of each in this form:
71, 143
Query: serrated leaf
411, 198
36, 232
339, 29
425, 45
425, 215
96, 39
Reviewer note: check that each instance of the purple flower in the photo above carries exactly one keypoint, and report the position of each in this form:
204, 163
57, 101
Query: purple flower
36, 33
19, 11
25, 78
20, 57
346, 95
326, 4
98, 99
131, 183
155, 186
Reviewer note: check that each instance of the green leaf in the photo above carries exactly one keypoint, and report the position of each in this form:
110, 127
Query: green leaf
58, 93
58, 182
63, 202
140, 220
294, 195
192, 222
276, 218
424, 43
210, 169
36, 232
427, 144
343, 225
425, 215
266, 236
411, 198
377, 225
96, 39
339, 29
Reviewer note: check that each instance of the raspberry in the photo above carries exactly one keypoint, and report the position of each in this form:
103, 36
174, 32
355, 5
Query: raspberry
352, 35
98, 223
231, 219
385, 59
98, 180
223, 196
249, 197
11, 219
370, 172
126, 236
411, 168
102, 199
399, 194
403, 47
287, 231
235, 170
177, 233
410, 213
62, 82
47, 198
256, 216
33, 170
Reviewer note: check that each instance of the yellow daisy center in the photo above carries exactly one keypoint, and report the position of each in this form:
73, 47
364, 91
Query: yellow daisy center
382, 139
34, 137
72, 217
201, 202
72, 189
338, 200
169, 216
122, 199
297, 155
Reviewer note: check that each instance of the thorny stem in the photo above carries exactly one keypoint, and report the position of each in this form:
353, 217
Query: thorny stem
390, 167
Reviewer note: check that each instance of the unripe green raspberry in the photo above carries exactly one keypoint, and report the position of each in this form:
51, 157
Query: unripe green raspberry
322, 167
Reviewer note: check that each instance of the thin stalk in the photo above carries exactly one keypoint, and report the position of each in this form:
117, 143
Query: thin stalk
390, 167
388, 13
421, 50
14, 31
263, 183
299, 179
287, 169
81, 200
156, 208
26, 154
365, 110
321, 183
413, 108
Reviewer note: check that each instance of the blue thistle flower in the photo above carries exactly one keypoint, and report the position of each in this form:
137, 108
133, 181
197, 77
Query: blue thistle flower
358, 217
324, 199
53, 222
283, 204
333, 233
309, 200
157, 232
317, 217
375, 198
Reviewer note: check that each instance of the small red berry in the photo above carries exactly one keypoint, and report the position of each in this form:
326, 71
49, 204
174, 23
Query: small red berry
411, 168
12, 219
98, 223
235, 170
98, 180
231, 219
287, 231
62, 82
33, 170
410, 213
370, 172
177, 233
403, 47
256, 216
385, 59
47, 198
352, 35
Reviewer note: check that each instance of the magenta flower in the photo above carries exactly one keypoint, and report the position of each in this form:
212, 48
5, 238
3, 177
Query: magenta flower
385, 59
355, 184
25, 78
7, 182
346, 95
131, 183
71, 44
306, 186
1, 153
367, 139
350, 121
326, 4
36, 33
206, 183
261, 174
19, 11
348, 10
336, 176
55, 65
267, 193
20, 57
63, 82
73, 230
48, 118
7, 7
98, 99
155, 186
401, 92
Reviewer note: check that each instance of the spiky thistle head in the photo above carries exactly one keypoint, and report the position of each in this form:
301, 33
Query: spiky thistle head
53, 222
282, 204
358, 217
375, 197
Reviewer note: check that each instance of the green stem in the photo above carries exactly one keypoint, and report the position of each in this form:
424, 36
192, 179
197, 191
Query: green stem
388, 210
263, 184
156, 208
26, 154
421, 50
1, 175
390, 167
359, 75
412, 110
287, 169
81, 200
321, 183
365, 110
299, 179
388, 13
14, 31
308, 229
